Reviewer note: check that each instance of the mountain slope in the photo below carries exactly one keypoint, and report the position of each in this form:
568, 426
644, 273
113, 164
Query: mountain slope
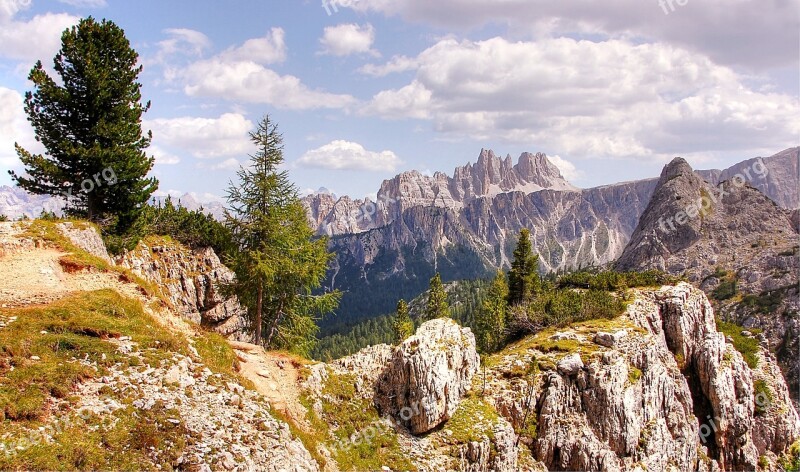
388, 249
734, 243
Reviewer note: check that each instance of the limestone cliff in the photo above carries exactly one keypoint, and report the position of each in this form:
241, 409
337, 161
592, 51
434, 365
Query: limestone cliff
733, 242
657, 388
191, 280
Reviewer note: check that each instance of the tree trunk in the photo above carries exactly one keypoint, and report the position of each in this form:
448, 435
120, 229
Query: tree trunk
275, 324
259, 306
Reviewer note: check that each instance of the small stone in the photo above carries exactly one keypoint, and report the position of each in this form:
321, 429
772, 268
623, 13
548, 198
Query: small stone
36, 358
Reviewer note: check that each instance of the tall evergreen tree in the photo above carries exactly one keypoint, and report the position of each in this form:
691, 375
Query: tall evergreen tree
279, 262
490, 320
437, 306
402, 324
90, 124
523, 278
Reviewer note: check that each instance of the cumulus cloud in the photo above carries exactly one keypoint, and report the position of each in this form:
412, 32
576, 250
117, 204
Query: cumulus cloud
347, 155
14, 127
163, 157
203, 138
240, 74
347, 39
395, 65
265, 50
568, 169
182, 41
30, 40
753, 33
85, 3
611, 98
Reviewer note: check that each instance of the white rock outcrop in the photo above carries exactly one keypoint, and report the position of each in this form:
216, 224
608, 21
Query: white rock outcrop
191, 279
427, 375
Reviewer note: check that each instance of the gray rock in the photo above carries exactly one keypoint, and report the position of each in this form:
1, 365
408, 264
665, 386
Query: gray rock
428, 374
570, 365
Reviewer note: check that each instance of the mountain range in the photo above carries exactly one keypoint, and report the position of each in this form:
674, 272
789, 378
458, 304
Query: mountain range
466, 226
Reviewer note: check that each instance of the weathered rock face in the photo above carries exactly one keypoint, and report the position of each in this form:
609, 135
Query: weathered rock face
655, 389
87, 238
734, 236
191, 279
428, 374
777, 178
721, 382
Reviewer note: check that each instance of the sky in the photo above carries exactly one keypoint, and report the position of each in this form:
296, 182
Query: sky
364, 89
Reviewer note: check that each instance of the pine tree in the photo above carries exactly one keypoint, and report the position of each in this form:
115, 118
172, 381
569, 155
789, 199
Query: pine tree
279, 262
523, 278
90, 125
402, 324
490, 320
437, 306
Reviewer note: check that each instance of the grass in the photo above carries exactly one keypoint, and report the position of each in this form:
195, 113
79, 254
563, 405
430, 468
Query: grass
60, 334
725, 290
791, 461
634, 374
346, 417
747, 346
762, 396
47, 352
473, 421
765, 302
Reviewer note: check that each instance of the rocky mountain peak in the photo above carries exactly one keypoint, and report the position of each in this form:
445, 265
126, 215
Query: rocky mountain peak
677, 167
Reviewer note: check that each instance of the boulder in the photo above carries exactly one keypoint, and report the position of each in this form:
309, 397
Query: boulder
427, 375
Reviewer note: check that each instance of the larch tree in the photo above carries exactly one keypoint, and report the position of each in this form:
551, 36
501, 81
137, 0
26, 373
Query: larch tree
89, 122
437, 305
402, 324
279, 262
490, 319
523, 278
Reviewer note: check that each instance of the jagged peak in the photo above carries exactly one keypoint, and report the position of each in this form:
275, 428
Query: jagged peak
676, 167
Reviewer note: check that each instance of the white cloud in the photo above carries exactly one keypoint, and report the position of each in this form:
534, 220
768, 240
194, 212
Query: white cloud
36, 39
347, 39
182, 41
266, 50
14, 127
227, 164
163, 157
754, 33
568, 169
239, 74
85, 3
600, 99
203, 138
346, 155
395, 65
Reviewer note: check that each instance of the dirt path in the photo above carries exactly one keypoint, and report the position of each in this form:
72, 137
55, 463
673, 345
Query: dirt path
275, 376
31, 274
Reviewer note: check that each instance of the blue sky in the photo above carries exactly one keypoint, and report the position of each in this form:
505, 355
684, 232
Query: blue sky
610, 90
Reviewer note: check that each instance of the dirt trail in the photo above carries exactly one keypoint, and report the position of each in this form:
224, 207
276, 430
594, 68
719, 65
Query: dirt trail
275, 376
31, 274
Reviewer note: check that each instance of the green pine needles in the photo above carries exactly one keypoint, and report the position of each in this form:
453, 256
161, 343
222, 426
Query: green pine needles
279, 262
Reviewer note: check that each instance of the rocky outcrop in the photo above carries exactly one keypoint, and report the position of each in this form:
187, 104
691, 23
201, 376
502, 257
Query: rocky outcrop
427, 375
86, 237
721, 382
727, 239
191, 279
775, 176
